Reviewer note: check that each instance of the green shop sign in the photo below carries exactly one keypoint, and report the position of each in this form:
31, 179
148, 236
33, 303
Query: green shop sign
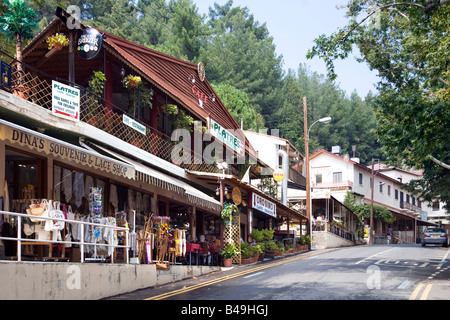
228, 137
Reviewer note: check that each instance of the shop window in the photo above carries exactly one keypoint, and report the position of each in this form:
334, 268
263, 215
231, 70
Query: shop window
125, 199
24, 177
24, 182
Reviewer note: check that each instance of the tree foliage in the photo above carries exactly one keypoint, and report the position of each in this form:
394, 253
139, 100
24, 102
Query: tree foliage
239, 51
238, 103
408, 44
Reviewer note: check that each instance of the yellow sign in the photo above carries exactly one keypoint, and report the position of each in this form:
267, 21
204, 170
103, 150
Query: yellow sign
279, 175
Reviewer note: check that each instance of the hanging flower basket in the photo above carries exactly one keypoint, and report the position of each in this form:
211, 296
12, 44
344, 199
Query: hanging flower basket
132, 81
57, 41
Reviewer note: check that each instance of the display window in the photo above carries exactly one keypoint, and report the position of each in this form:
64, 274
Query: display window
71, 187
23, 183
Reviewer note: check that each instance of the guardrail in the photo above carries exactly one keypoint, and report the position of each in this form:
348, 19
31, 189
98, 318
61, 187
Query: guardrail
81, 243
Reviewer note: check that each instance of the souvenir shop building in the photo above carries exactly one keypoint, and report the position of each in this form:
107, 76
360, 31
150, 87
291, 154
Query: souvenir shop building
256, 209
59, 139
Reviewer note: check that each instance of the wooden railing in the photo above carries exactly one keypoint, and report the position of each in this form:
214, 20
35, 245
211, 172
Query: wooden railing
35, 86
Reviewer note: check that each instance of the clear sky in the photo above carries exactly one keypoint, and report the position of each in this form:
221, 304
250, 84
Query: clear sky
294, 24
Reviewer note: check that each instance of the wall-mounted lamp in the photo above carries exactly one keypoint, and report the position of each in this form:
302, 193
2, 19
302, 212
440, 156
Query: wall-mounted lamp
212, 98
191, 78
122, 72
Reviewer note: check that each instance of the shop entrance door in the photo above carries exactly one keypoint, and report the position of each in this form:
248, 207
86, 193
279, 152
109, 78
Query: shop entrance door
24, 174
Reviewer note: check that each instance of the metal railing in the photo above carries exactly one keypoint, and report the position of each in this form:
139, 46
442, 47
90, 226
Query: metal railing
21, 217
340, 232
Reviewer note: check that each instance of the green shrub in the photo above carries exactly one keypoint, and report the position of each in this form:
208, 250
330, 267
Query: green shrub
268, 234
257, 235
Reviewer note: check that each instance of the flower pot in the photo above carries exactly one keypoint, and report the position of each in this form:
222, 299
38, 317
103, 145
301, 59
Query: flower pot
58, 46
247, 261
227, 263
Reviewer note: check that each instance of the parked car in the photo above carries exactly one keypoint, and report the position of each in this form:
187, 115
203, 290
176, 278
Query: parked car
435, 236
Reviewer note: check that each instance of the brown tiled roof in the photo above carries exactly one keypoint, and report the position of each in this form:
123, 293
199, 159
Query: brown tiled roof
172, 76
169, 74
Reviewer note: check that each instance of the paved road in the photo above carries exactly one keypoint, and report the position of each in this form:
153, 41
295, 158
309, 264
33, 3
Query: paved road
379, 272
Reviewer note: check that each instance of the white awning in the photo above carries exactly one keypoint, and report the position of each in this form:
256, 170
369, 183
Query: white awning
37, 142
167, 182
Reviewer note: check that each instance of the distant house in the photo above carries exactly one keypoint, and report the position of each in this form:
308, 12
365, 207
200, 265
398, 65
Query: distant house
341, 175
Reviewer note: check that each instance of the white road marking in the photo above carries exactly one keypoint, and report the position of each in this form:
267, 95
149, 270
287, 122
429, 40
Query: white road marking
253, 275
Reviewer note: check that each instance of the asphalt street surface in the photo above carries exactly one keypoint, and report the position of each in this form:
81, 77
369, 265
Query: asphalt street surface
379, 272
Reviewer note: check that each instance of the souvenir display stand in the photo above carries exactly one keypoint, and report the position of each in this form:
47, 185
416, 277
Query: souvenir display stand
95, 209
158, 243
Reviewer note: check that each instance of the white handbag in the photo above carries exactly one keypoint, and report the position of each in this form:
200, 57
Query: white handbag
58, 214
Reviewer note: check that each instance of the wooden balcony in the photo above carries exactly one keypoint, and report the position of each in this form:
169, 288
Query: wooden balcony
95, 111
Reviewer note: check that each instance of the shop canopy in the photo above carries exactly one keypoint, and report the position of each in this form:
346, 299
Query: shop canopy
212, 179
35, 141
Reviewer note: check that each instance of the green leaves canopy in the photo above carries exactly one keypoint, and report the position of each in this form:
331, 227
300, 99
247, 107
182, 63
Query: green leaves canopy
408, 44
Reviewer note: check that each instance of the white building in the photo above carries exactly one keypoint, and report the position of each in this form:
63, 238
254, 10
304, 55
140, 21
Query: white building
434, 211
341, 174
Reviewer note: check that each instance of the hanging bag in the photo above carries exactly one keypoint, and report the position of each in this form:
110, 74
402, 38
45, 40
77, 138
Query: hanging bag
38, 210
49, 223
58, 214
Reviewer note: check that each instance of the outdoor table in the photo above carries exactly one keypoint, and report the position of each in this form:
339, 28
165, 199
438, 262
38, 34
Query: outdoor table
193, 248
215, 254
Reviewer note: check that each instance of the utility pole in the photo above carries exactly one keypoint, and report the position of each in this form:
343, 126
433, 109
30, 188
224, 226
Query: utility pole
371, 203
308, 187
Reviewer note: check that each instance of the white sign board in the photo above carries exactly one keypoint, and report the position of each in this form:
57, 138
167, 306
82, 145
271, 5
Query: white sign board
135, 125
264, 205
65, 101
321, 194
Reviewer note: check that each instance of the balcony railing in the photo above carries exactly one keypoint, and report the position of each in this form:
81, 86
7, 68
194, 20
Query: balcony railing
297, 177
411, 207
35, 86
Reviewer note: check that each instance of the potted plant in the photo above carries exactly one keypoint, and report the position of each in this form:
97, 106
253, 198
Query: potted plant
246, 253
228, 211
137, 95
132, 81
17, 23
179, 118
95, 88
270, 249
57, 41
227, 253
303, 242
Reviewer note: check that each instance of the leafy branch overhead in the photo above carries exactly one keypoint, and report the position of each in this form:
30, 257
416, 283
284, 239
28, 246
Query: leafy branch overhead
408, 44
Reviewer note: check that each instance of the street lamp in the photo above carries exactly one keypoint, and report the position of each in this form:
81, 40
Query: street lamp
325, 120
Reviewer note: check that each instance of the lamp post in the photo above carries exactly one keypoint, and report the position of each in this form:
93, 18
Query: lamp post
372, 185
308, 180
